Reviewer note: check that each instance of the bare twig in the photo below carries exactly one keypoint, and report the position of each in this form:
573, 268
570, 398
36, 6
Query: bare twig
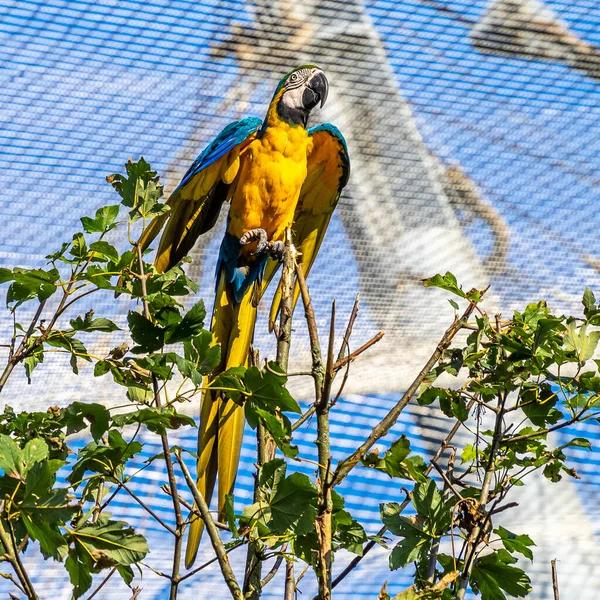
98, 506
382, 428
447, 480
287, 303
273, 571
290, 582
15, 356
503, 508
554, 579
210, 562
354, 355
136, 591
346, 341
449, 486
15, 561
322, 378
149, 510
213, 533
102, 583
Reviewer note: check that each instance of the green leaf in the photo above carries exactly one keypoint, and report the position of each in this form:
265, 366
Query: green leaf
105, 459
347, 532
579, 342
416, 542
33, 360
16, 462
78, 414
229, 383
54, 509
589, 303
148, 336
52, 542
545, 329
493, 575
131, 186
429, 503
104, 250
394, 457
230, 516
578, 442
51, 257
271, 473
446, 282
515, 543
432, 394
267, 389
190, 326
104, 220
88, 323
202, 353
157, 420
126, 573
469, 454
109, 542
28, 284
396, 461
280, 428
538, 405
79, 567
292, 506
79, 248
41, 478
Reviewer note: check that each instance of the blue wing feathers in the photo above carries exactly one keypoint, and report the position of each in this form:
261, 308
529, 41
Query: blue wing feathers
240, 277
232, 135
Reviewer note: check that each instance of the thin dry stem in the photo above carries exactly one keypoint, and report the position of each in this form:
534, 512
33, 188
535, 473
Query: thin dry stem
213, 533
383, 427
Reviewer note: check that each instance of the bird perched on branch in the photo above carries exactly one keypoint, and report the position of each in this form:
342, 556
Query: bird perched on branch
277, 174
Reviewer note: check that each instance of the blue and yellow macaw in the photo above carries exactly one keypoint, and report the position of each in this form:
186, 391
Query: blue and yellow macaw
277, 174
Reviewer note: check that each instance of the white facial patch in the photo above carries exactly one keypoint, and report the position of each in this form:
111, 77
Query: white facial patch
293, 98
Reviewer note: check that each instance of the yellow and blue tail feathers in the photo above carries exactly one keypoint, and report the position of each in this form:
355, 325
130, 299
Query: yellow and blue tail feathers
222, 420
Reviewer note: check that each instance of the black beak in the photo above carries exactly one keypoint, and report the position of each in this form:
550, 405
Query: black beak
315, 91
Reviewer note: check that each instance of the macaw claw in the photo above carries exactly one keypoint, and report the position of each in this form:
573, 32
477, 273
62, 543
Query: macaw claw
274, 249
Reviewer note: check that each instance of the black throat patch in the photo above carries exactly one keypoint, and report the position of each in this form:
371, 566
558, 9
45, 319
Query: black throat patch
292, 116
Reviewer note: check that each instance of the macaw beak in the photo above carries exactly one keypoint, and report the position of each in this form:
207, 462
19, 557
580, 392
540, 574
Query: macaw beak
315, 91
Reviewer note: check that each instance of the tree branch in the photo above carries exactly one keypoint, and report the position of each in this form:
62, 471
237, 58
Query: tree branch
14, 358
443, 446
554, 580
213, 533
15, 560
382, 428
322, 378
474, 535
266, 447
290, 582
179, 521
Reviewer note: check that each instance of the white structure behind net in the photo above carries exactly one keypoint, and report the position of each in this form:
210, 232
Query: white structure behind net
473, 130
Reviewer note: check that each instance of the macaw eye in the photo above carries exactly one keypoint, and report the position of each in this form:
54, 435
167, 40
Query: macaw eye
294, 77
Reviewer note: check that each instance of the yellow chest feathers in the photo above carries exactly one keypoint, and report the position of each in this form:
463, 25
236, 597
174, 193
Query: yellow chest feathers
273, 169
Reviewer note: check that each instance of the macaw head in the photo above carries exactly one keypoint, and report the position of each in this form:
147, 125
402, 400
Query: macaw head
299, 92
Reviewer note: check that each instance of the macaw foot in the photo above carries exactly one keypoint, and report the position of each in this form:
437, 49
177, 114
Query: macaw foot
258, 235
274, 249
